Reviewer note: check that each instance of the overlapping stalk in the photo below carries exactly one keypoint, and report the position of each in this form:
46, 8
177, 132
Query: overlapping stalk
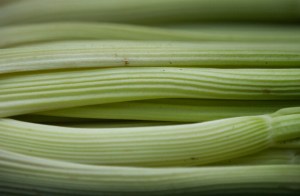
174, 145
20, 35
191, 110
101, 54
28, 175
150, 12
34, 92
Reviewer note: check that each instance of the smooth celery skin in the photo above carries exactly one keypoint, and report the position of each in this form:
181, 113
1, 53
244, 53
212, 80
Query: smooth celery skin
187, 110
19, 35
107, 53
150, 12
27, 175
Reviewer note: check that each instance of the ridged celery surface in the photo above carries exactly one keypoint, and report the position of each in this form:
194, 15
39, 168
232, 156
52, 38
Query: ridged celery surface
87, 54
174, 145
35, 92
30, 175
150, 12
13, 36
187, 110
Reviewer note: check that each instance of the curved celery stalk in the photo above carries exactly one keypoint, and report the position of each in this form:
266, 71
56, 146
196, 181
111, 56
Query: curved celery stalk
87, 122
267, 157
187, 110
174, 145
36, 92
27, 174
38, 33
53, 119
150, 12
88, 54
118, 124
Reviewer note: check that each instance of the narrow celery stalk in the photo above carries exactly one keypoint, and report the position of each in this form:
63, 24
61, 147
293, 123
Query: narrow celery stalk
174, 145
150, 12
87, 54
87, 122
26, 174
53, 119
267, 157
117, 124
187, 110
36, 92
61, 31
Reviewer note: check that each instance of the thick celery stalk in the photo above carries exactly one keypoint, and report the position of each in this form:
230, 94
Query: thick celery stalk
87, 54
36, 92
31, 175
150, 12
174, 145
38, 33
179, 110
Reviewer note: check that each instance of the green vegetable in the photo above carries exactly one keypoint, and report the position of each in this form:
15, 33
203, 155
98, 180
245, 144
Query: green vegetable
207, 98
38, 33
150, 12
36, 92
174, 145
29, 175
88, 54
187, 110
87, 122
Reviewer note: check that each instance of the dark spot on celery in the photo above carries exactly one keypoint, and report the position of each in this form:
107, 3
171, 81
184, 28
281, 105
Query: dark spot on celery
266, 91
125, 61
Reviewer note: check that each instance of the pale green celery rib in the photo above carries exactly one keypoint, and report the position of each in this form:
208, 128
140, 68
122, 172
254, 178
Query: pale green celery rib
36, 92
61, 31
150, 12
108, 53
51, 177
266, 157
173, 145
186, 110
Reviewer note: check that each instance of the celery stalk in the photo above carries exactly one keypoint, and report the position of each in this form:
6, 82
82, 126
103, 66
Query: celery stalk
187, 110
150, 12
36, 92
29, 175
19, 35
88, 54
173, 145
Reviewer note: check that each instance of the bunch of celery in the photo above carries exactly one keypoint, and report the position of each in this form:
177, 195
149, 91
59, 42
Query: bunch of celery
162, 97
